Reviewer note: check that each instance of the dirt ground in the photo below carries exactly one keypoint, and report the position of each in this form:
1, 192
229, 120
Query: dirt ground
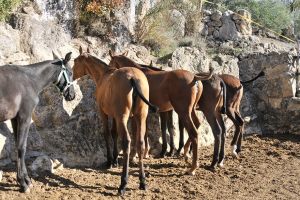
269, 168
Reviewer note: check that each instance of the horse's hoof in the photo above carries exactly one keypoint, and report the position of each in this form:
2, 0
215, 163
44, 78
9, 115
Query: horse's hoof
146, 156
108, 165
221, 164
25, 190
170, 154
115, 164
190, 172
234, 151
161, 155
212, 168
30, 185
121, 192
143, 186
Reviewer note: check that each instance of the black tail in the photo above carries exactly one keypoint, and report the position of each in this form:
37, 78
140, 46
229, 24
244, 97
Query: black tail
137, 89
262, 73
223, 85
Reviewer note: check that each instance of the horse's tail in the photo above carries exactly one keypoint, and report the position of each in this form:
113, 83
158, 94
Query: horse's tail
223, 86
137, 90
204, 76
262, 73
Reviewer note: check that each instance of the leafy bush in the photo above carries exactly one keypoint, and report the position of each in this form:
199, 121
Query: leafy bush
273, 14
6, 6
156, 29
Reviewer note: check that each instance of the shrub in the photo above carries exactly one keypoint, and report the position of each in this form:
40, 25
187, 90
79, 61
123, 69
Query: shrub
6, 6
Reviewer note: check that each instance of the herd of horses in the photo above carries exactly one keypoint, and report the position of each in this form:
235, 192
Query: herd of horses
124, 90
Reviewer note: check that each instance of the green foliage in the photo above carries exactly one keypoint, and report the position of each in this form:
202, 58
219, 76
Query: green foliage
6, 6
273, 14
157, 31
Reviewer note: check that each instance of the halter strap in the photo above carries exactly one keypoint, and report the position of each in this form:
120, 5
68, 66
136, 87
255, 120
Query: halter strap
63, 73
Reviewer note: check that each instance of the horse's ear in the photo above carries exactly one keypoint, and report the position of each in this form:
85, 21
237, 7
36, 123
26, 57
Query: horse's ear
125, 53
151, 64
111, 53
54, 55
80, 50
68, 57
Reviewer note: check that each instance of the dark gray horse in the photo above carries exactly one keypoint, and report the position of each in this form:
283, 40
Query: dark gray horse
19, 90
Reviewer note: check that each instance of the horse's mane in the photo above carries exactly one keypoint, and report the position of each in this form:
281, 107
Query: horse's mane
142, 65
151, 67
99, 61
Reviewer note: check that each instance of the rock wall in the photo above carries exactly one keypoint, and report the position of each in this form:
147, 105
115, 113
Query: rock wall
270, 101
72, 131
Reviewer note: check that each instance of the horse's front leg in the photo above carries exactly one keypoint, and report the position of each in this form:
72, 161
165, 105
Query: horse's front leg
171, 132
21, 126
107, 137
163, 126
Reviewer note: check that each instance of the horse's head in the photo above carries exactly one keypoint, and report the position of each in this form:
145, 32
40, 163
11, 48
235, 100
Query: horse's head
117, 61
79, 68
65, 77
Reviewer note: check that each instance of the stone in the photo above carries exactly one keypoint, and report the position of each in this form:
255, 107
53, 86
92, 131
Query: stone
178, 23
42, 164
216, 16
228, 29
190, 58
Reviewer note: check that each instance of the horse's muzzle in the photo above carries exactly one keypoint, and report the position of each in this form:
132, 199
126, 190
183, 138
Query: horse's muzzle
69, 94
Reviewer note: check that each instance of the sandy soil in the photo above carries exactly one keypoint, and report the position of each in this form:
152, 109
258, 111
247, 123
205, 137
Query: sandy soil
269, 168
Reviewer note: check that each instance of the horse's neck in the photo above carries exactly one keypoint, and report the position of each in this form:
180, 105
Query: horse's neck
97, 71
43, 75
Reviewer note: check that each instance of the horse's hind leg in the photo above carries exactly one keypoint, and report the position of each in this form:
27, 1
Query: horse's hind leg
141, 129
21, 127
223, 138
239, 124
181, 136
163, 126
122, 130
107, 137
171, 132
193, 136
216, 129
115, 140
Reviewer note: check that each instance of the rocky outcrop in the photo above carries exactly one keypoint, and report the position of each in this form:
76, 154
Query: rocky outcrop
227, 25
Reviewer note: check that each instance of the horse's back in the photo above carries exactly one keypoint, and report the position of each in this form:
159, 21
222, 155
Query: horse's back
118, 90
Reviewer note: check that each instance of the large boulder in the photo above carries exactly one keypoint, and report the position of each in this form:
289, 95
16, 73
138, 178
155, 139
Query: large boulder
228, 30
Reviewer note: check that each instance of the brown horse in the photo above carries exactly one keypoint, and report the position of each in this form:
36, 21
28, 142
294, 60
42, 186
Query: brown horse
233, 94
211, 104
179, 90
120, 93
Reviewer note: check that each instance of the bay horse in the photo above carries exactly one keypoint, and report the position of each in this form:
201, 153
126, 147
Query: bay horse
179, 90
232, 96
19, 90
120, 94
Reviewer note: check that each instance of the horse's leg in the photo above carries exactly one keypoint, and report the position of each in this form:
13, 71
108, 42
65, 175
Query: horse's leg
126, 140
21, 127
107, 137
193, 136
171, 132
240, 138
181, 136
238, 123
216, 129
115, 140
147, 145
134, 141
163, 126
223, 138
141, 129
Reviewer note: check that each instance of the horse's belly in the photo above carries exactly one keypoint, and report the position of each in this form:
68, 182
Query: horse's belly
9, 108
